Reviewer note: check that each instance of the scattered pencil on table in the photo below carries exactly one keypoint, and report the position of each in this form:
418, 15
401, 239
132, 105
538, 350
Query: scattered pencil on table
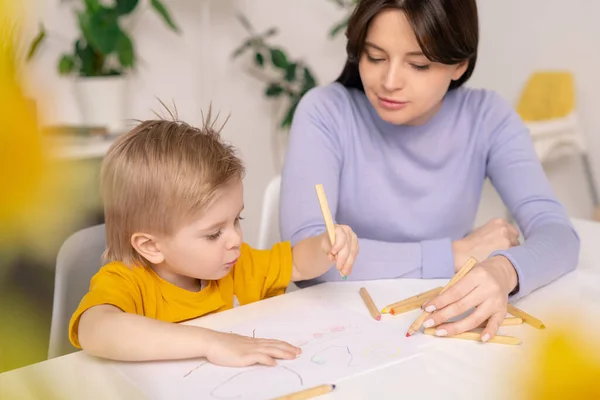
476, 336
418, 298
308, 393
466, 268
509, 321
326, 215
370, 304
528, 319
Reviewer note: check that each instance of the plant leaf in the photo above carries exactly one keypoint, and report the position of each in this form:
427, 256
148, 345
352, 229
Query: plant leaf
279, 58
86, 57
66, 64
290, 72
124, 7
101, 30
289, 116
92, 5
259, 59
35, 44
247, 44
162, 10
309, 80
338, 27
274, 89
125, 51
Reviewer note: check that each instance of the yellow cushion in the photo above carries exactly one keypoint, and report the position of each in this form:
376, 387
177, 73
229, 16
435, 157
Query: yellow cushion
547, 95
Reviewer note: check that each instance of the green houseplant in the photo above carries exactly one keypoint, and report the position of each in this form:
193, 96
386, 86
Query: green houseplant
286, 79
101, 56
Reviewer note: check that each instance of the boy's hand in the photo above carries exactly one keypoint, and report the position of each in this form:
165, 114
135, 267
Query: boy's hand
233, 350
344, 250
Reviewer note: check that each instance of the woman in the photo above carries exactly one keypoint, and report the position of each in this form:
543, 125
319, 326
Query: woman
403, 150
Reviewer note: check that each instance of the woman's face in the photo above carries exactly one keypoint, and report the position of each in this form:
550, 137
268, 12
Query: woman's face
399, 81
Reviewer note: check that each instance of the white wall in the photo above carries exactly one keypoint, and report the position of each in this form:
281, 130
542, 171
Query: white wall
195, 68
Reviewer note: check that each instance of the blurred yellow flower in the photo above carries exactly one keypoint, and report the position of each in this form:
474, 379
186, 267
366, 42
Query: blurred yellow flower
566, 365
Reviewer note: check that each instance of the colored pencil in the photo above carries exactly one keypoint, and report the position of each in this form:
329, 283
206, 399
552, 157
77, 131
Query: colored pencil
423, 297
308, 393
468, 266
326, 215
369, 303
476, 336
528, 319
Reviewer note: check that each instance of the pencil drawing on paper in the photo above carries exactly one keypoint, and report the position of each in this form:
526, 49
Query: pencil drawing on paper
338, 355
238, 385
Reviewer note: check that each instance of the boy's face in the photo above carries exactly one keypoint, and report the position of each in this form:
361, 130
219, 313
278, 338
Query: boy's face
206, 248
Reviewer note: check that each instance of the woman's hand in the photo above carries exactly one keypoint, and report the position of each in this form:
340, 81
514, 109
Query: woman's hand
486, 288
496, 235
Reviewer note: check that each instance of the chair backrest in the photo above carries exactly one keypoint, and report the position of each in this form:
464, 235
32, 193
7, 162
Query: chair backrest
79, 258
268, 233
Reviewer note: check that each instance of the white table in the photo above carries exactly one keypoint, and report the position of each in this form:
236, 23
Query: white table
448, 368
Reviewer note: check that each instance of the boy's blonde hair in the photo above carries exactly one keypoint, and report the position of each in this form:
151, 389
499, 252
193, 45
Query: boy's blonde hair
158, 176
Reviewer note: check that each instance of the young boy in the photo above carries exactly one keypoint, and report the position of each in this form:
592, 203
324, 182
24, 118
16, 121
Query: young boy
173, 200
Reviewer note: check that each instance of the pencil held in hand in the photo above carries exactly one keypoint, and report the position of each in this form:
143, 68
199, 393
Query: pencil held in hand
370, 304
329, 225
469, 265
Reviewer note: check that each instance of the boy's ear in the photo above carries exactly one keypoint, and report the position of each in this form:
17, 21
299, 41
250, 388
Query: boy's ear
146, 247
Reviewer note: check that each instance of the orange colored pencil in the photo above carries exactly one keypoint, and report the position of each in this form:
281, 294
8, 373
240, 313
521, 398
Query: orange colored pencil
421, 297
471, 262
370, 304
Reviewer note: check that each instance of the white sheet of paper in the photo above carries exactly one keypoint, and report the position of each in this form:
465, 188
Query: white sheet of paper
335, 345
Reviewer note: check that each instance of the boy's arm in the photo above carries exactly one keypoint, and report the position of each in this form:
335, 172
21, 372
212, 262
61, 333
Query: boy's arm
106, 331
314, 256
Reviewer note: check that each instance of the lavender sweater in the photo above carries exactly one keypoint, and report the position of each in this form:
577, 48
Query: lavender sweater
409, 191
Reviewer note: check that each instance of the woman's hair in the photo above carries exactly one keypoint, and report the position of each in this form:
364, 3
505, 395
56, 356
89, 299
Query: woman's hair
447, 32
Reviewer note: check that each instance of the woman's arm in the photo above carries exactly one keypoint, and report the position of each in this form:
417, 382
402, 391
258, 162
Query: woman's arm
316, 155
550, 249
551, 246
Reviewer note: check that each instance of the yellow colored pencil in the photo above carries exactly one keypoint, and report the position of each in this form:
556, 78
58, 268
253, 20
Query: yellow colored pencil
476, 336
308, 393
528, 319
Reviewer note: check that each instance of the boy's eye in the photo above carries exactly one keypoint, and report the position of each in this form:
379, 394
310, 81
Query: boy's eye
238, 219
214, 236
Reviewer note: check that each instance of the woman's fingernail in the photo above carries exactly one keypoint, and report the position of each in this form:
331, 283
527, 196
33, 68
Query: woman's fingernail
430, 308
441, 332
485, 337
428, 323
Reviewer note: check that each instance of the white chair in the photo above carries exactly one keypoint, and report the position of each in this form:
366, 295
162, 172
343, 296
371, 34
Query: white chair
79, 258
547, 106
268, 233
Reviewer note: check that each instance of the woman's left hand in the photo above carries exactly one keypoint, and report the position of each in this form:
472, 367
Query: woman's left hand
485, 287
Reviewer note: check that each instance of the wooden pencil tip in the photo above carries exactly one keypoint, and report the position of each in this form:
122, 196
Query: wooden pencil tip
542, 326
378, 318
407, 334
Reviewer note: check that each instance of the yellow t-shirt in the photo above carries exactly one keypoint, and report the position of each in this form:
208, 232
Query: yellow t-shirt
258, 274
